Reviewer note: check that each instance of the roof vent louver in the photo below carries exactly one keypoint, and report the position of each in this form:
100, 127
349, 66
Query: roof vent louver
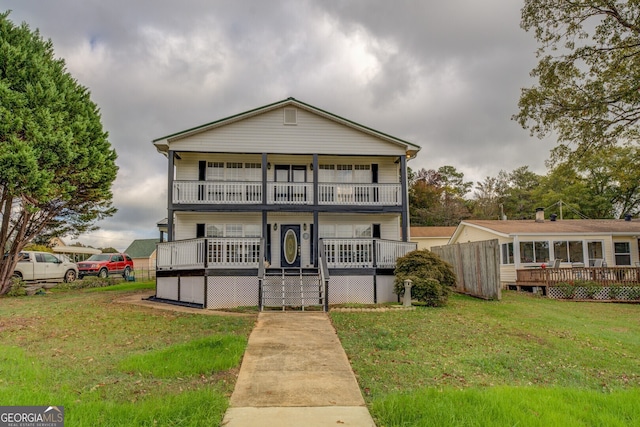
290, 116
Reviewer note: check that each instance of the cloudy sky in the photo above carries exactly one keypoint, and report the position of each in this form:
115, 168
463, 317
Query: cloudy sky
445, 75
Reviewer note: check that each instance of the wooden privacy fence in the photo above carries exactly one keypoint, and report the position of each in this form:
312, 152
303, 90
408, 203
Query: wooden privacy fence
477, 267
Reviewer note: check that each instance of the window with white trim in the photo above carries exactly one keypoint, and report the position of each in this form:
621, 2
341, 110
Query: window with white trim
594, 251
327, 231
253, 172
344, 173
234, 230
234, 171
215, 171
326, 173
622, 253
362, 174
569, 250
534, 252
363, 231
506, 250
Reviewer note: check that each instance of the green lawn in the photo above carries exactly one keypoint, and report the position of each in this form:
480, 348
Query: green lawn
113, 364
523, 361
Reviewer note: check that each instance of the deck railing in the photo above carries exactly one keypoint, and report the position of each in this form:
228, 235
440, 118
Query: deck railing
290, 193
364, 253
604, 276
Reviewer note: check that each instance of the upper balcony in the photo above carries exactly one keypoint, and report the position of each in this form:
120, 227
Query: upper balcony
285, 193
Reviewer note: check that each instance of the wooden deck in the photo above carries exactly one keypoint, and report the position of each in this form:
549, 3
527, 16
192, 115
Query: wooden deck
537, 280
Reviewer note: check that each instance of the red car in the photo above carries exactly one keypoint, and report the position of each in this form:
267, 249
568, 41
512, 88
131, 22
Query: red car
102, 265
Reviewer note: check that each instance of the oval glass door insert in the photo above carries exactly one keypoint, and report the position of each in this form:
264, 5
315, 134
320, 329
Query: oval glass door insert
290, 246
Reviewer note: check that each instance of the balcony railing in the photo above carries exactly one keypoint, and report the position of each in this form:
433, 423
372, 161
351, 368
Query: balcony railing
209, 253
364, 253
290, 193
359, 194
221, 192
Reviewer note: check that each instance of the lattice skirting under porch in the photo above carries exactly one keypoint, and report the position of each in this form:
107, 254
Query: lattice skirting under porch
620, 293
233, 291
239, 291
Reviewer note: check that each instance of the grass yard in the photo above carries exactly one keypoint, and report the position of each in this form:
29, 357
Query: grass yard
524, 361
113, 364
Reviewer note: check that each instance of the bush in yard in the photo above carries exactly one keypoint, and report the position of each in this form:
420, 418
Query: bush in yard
432, 277
18, 288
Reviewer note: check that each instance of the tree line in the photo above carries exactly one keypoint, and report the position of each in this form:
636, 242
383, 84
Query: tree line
602, 183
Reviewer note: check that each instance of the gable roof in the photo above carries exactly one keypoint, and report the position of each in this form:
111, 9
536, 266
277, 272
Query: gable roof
162, 143
142, 248
434, 232
508, 228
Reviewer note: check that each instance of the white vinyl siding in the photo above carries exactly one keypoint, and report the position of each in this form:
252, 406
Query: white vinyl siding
312, 134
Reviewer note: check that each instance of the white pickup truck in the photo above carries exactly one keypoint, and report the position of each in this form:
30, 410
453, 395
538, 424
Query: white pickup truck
44, 266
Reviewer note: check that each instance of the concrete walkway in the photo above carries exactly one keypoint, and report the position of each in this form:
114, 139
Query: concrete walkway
296, 373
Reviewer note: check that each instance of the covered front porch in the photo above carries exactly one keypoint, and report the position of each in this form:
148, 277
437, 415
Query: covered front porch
245, 253
232, 272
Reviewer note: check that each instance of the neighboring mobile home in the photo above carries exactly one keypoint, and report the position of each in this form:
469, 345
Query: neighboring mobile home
428, 237
260, 202
526, 244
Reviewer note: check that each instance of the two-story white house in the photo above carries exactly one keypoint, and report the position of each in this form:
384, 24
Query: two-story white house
283, 205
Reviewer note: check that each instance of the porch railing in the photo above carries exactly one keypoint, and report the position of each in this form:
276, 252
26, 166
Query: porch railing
209, 253
359, 194
364, 253
205, 192
182, 254
604, 276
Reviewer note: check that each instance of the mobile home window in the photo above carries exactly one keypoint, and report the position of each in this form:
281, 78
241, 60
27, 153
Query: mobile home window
534, 252
569, 251
594, 251
622, 252
507, 253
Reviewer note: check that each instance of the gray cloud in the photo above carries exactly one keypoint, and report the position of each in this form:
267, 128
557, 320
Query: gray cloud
444, 75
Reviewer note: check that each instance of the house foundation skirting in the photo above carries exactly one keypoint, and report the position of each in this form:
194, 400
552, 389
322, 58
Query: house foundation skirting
219, 289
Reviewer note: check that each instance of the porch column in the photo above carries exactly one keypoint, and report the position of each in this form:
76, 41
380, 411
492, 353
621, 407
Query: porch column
264, 180
316, 237
405, 198
315, 182
170, 173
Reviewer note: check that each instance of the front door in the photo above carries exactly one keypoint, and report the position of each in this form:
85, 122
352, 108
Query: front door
290, 246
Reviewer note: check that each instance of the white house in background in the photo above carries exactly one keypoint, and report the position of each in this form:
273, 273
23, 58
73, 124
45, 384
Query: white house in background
280, 205
428, 237
526, 244
74, 253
